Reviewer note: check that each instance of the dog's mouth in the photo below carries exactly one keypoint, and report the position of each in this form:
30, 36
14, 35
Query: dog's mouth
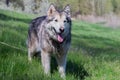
58, 35
59, 38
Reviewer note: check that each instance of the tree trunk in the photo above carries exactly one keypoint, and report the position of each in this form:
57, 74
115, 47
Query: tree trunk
7, 2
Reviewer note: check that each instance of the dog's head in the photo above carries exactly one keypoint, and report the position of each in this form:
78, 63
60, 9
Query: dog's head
58, 23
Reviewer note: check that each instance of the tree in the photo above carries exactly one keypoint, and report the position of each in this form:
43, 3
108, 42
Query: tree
7, 2
28, 5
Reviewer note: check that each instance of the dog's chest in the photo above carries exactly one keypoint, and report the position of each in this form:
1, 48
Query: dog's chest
52, 47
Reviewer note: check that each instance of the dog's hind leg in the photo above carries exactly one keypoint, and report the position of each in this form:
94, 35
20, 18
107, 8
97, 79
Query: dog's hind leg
31, 52
45, 58
61, 60
30, 55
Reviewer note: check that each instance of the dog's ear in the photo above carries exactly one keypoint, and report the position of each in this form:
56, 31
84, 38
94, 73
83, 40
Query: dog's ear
67, 10
51, 10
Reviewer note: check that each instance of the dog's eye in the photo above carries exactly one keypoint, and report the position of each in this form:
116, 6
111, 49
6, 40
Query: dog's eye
65, 21
56, 20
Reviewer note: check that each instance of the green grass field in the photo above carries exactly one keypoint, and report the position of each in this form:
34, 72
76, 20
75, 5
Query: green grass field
94, 53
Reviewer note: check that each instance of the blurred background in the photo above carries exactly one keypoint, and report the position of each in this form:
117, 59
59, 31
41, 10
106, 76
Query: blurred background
105, 12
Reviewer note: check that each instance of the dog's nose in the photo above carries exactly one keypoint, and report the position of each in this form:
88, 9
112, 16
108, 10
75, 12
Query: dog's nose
62, 29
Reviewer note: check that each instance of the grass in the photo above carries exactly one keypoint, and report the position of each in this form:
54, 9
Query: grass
94, 53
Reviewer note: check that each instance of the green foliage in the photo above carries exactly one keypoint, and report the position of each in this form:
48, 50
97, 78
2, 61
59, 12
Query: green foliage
108, 7
84, 7
17, 3
116, 6
94, 53
98, 7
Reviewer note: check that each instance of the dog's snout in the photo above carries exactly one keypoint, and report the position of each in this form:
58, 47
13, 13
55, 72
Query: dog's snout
62, 29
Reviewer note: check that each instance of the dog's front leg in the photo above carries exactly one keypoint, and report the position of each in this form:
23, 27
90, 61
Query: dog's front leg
45, 58
61, 60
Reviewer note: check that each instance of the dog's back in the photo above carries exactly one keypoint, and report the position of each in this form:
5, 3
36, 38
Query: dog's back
34, 26
33, 39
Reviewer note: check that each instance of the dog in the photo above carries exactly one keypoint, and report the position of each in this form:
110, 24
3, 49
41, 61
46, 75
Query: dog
51, 35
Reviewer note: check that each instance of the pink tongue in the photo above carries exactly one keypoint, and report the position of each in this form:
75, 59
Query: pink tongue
60, 39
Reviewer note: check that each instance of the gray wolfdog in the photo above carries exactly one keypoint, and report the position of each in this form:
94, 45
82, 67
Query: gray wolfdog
51, 35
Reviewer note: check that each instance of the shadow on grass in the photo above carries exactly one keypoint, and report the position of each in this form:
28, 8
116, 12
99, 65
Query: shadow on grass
72, 68
96, 46
90, 44
6, 51
7, 18
77, 70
